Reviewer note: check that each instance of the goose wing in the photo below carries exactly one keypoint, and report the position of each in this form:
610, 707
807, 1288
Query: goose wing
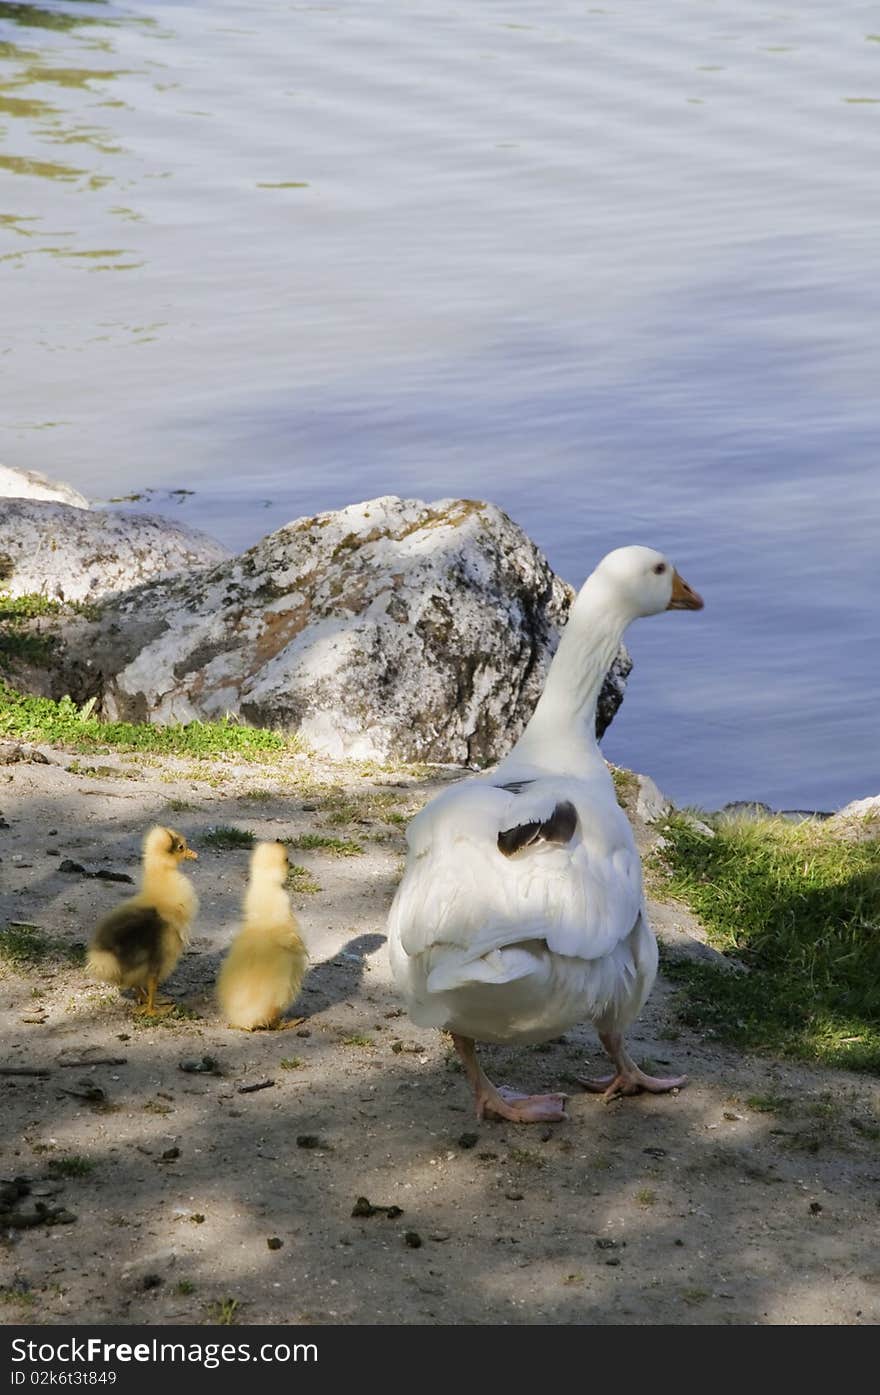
490, 867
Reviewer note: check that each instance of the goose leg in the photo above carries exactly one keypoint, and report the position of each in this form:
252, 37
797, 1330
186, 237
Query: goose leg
628, 1078
507, 1104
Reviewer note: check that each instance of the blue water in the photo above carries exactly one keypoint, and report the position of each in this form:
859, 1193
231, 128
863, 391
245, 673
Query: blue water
613, 268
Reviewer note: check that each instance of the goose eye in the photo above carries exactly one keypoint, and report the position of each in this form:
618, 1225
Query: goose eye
660, 569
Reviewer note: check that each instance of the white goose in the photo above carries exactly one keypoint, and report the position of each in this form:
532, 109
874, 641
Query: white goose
521, 909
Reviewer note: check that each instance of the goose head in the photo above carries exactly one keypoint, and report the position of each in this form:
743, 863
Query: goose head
641, 581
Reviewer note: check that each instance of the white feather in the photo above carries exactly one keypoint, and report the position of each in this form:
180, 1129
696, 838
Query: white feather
519, 948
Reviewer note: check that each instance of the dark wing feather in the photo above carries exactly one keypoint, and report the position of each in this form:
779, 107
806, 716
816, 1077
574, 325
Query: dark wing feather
134, 935
559, 828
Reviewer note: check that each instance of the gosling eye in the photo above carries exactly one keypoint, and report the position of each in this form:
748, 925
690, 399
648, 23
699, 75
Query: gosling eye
660, 569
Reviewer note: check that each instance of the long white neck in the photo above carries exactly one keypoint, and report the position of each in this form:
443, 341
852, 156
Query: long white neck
562, 731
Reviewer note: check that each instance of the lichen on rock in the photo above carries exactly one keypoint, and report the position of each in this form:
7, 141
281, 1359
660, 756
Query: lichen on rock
71, 553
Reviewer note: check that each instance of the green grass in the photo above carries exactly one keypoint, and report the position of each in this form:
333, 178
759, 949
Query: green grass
316, 842
226, 835
17, 639
72, 1165
22, 946
625, 785
300, 880
65, 724
800, 910
223, 1311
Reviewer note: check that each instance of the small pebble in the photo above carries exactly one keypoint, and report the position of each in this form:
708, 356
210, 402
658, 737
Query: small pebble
170, 1155
412, 1239
815, 1208
514, 1196
274, 1243
468, 1140
151, 1281
75, 868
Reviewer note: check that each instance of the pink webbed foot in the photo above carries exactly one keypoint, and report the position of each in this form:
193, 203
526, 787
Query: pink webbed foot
521, 1109
631, 1082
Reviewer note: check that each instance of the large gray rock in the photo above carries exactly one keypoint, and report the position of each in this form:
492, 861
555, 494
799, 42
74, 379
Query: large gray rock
74, 554
30, 484
391, 630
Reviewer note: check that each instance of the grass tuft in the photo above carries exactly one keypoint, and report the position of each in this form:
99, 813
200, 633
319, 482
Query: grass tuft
316, 842
799, 909
23, 945
226, 836
72, 1165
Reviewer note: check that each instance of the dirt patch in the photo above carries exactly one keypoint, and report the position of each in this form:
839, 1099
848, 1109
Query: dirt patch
750, 1197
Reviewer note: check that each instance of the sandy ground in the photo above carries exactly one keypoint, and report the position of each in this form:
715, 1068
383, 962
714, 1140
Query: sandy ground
693, 1208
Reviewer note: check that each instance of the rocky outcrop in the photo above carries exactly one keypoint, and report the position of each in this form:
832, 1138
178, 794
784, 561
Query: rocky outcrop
390, 630
30, 484
76, 554
858, 822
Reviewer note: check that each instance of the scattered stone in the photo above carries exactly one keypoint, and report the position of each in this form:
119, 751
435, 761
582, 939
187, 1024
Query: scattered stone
468, 1140
274, 1242
514, 1196
604, 1243
105, 875
440, 1236
151, 1281
11, 753
651, 803
363, 1207
258, 1085
654, 1152
612, 1262
815, 1208
412, 1239
170, 1155
310, 1140
205, 1066
747, 809
87, 1090
74, 868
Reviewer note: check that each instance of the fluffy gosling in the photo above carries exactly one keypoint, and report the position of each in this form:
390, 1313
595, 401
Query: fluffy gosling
139, 943
263, 971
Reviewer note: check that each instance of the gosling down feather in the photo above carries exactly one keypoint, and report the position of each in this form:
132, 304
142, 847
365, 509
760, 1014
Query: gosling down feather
139, 943
263, 971
521, 910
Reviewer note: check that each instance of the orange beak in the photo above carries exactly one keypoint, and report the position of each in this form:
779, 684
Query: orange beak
190, 856
683, 597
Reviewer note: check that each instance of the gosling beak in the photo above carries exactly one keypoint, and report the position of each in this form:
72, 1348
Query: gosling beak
683, 597
190, 856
